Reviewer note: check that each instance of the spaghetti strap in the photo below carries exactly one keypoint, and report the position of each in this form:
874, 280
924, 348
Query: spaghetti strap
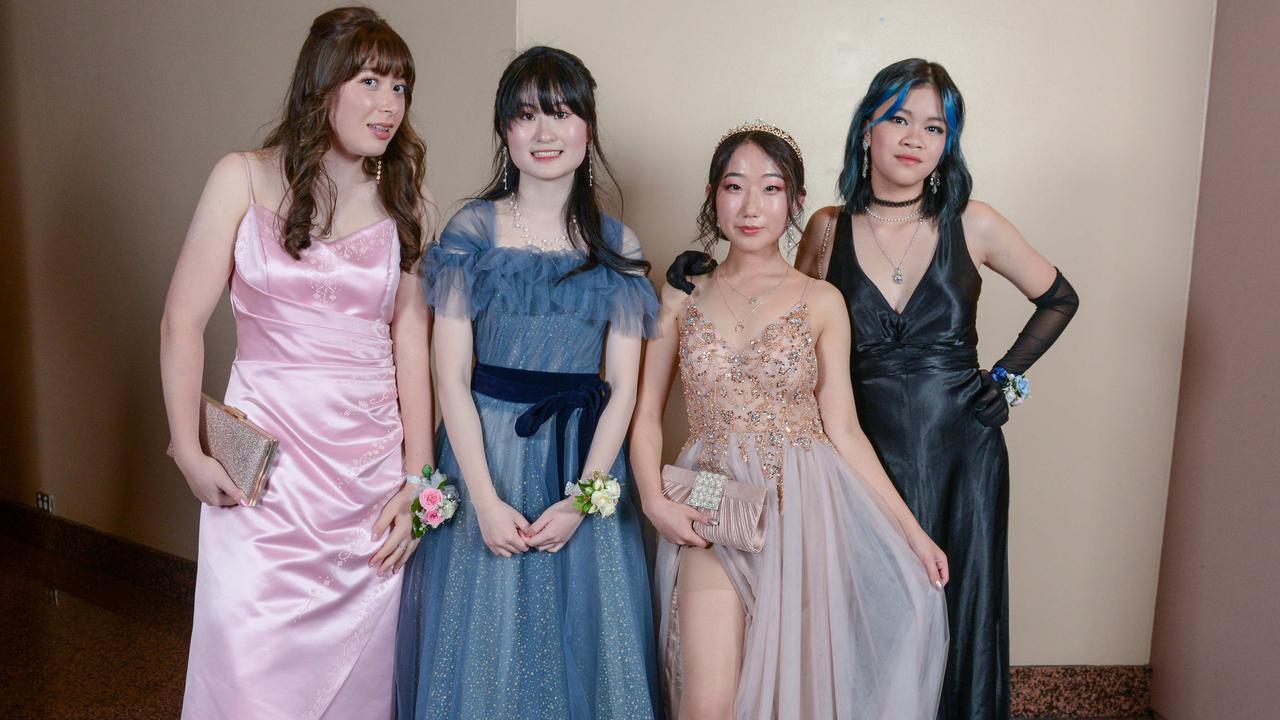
248, 172
805, 291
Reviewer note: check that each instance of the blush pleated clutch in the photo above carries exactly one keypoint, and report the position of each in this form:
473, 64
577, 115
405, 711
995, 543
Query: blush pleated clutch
737, 506
243, 449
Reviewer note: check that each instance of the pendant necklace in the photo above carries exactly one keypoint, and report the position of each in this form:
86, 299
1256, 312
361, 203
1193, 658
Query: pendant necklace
739, 324
753, 301
897, 267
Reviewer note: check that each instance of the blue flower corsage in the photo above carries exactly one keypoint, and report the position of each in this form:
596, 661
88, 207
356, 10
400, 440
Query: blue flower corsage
1015, 388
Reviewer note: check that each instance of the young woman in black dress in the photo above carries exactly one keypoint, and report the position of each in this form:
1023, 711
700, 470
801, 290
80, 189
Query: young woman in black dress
904, 249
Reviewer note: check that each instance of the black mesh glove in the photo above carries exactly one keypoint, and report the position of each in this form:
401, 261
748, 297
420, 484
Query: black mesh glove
1054, 309
990, 406
686, 264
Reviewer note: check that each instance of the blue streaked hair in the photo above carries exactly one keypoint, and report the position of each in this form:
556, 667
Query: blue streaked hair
892, 84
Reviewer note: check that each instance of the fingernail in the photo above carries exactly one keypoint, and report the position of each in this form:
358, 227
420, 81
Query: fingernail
937, 584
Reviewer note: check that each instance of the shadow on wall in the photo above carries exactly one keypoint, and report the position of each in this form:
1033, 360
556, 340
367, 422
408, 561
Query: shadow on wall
17, 381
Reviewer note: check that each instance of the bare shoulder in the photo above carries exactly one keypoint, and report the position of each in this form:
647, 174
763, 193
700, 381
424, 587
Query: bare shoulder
230, 171
226, 192
982, 219
825, 298
630, 243
826, 214
819, 222
808, 255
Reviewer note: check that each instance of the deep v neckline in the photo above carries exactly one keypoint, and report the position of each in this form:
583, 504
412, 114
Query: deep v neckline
933, 260
328, 243
723, 339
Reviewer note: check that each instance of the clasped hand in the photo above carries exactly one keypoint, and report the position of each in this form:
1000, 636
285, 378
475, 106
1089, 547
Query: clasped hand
506, 532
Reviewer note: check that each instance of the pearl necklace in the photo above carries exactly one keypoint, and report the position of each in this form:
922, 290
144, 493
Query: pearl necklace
530, 240
910, 216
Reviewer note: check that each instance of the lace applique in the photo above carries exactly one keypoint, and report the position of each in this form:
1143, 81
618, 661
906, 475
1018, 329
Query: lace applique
760, 396
331, 262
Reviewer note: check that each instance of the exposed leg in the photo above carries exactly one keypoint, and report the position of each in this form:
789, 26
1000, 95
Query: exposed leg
712, 626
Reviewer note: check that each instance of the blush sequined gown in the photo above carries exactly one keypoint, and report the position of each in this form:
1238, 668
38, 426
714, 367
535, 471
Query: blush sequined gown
290, 622
842, 622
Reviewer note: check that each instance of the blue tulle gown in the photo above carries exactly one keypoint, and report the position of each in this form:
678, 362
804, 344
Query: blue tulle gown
565, 636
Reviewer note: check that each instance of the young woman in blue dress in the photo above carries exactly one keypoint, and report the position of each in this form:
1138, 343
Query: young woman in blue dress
522, 606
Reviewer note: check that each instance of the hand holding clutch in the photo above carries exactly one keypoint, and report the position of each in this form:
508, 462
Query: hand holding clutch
243, 449
737, 508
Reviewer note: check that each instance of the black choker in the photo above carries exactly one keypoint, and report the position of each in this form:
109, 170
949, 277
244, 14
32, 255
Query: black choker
898, 204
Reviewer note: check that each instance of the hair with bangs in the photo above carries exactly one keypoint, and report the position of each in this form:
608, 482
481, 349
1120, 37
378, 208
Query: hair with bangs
789, 164
341, 43
549, 78
893, 83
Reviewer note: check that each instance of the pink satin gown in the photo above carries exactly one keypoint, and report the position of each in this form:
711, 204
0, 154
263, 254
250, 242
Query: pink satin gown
290, 622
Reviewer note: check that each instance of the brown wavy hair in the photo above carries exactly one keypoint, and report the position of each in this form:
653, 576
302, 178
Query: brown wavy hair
340, 44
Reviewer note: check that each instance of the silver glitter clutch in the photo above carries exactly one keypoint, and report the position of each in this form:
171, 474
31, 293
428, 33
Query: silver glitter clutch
243, 449
737, 506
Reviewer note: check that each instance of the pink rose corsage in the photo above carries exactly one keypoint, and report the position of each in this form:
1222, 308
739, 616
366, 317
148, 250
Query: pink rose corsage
435, 504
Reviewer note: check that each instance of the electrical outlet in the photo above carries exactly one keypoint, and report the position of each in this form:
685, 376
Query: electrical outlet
44, 501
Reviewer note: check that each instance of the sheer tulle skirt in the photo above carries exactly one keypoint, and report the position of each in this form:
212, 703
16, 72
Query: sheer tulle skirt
537, 636
841, 620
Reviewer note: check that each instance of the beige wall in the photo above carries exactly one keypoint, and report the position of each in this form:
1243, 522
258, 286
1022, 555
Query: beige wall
1082, 130
1216, 649
116, 112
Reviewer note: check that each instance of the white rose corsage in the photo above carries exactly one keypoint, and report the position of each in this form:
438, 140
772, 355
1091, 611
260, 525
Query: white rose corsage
596, 494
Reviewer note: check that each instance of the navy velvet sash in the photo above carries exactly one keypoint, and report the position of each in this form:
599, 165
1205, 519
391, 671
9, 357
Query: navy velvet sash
552, 395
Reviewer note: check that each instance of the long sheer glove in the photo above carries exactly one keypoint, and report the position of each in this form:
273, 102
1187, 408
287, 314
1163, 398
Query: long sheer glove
1054, 309
990, 405
687, 264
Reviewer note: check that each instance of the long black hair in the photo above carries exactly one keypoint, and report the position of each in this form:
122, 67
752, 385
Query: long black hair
555, 77
893, 83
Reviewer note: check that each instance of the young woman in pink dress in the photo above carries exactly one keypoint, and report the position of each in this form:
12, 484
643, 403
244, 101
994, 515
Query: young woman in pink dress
318, 234
841, 615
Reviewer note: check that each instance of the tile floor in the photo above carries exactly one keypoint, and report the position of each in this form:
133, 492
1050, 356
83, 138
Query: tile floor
77, 644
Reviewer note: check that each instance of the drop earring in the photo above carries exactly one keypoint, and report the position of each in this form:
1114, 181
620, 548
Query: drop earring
591, 180
377, 177
503, 160
866, 156
934, 182
790, 239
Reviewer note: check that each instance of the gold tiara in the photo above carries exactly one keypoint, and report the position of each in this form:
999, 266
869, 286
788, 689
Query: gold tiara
762, 126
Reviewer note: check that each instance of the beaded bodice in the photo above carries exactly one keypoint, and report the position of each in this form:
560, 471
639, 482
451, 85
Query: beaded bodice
761, 396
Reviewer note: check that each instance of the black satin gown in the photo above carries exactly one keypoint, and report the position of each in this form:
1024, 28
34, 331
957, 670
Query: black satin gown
915, 378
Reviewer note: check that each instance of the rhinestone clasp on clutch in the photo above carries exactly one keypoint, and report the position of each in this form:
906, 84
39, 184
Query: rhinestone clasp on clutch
708, 490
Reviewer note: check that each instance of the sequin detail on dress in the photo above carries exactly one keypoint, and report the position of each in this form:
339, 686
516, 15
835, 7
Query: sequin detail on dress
762, 395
